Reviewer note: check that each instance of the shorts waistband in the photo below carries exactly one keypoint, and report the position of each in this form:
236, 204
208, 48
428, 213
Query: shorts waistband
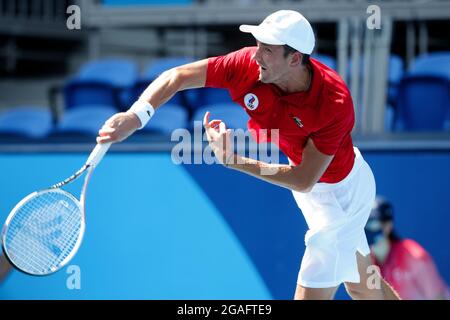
324, 187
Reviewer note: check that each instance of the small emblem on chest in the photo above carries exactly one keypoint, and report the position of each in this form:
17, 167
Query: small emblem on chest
251, 101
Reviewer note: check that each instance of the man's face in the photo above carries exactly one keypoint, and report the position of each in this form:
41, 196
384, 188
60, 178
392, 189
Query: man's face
377, 233
374, 231
273, 65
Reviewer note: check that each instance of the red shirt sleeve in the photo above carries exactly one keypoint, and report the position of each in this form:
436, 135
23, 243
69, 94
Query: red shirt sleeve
233, 70
338, 120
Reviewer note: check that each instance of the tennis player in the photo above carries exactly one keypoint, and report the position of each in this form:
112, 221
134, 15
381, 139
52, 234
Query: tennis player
282, 88
408, 267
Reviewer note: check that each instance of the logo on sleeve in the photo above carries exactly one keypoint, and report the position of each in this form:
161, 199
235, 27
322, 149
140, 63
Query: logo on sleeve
251, 101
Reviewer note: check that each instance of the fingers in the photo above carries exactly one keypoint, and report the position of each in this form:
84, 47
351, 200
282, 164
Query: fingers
222, 128
106, 131
210, 124
104, 139
215, 124
206, 120
116, 128
218, 125
104, 134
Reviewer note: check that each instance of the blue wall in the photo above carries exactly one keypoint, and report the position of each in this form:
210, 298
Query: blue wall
160, 231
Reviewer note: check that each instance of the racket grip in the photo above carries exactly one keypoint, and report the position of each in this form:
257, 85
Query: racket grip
97, 154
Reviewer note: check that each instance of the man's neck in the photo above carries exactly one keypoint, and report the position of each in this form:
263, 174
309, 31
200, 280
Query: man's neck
300, 80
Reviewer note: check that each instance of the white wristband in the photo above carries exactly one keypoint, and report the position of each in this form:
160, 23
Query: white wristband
143, 110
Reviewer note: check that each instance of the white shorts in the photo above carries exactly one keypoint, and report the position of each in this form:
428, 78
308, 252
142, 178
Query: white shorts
336, 214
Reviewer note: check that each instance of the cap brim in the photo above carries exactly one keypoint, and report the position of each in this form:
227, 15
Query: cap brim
260, 34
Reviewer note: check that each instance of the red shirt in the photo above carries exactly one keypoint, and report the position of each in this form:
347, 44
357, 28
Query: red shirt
412, 272
324, 113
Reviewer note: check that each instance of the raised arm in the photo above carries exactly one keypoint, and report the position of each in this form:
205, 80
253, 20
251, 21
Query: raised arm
299, 178
123, 124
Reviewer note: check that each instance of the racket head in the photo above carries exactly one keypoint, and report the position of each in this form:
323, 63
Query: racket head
44, 231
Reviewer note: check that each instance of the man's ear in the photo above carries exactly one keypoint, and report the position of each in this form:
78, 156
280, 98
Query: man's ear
296, 59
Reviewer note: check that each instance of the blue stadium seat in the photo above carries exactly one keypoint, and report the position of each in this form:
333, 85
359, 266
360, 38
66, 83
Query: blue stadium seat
396, 72
168, 118
117, 72
207, 96
396, 69
424, 94
212, 96
85, 120
423, 103
435, 64
79, 93
158, 66
105, 82
389, 120
326, 59
230, 113
26, 121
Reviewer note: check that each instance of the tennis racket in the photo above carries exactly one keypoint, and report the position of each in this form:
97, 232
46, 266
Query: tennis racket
45, 229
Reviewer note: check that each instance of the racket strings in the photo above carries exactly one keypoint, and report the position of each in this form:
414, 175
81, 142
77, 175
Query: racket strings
41, 238
44, 231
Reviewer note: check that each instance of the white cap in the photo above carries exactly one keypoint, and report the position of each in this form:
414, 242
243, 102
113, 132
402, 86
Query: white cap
284, 27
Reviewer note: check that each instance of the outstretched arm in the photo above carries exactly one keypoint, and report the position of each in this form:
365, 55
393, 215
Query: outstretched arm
123, 124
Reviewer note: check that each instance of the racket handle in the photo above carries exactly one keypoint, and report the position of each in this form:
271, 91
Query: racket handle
97, 154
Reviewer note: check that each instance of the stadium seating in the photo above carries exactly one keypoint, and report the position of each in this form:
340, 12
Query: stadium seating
423, 103
433, 64
389, 118
102, 82
211, 96
81, 93
84, 120
158, 66
167, 119
395, 73
201, 97
424, 94
26, 122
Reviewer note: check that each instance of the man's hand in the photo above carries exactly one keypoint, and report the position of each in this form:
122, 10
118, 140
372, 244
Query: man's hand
118, 127
219, 139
